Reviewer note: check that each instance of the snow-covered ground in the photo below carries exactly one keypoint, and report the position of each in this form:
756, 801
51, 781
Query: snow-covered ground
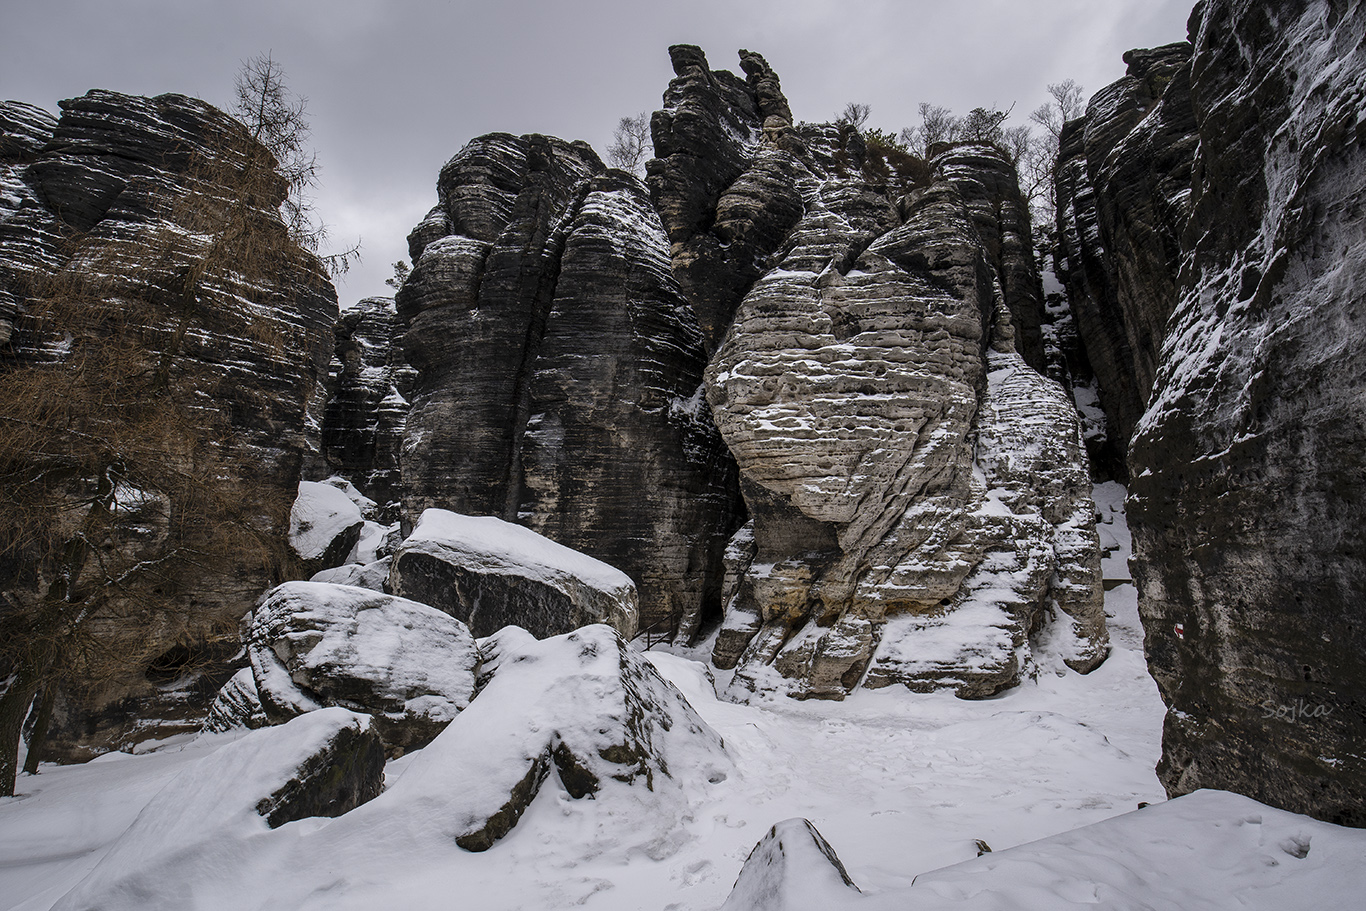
898, 783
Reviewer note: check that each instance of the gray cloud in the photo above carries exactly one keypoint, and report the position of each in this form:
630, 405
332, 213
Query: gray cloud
396, 88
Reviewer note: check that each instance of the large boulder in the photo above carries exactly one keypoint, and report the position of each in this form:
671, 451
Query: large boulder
321, 764
315, 644
324, 525
583, 704
559, 368
491, 574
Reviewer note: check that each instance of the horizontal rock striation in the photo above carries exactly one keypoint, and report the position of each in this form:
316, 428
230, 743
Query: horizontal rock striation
1123, 198
1248, 467
113, 198
904, 465
560, 370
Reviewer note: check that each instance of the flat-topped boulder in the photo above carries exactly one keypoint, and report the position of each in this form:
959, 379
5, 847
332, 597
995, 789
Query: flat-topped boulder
490, 574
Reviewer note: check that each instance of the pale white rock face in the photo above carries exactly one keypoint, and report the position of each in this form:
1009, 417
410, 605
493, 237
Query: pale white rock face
313, 644
920, 495
491, 574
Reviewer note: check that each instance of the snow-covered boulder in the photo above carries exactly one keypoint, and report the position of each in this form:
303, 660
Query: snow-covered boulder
313, 644
491, 574
321, 764
792, 868
324, 525
237, 705
374, 575
583, 703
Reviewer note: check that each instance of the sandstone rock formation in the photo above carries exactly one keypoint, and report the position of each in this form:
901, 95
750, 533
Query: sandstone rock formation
367, 402
559, 370
237, 705
314, 644
115, 193
324, 526
1123, 198
490, 574
1248, 467
892, 484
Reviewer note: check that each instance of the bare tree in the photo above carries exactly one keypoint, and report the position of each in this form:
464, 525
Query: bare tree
1040, 168
630, 143
937, 124
855, 114
278, 121
123, 483
1066, 105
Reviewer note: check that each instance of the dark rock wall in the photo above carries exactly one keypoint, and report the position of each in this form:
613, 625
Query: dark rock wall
1215, 247
110, 174
1248, 467
560, 370
367, 405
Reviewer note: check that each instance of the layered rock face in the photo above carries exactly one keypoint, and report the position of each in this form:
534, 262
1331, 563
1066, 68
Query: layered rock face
907, 470
117, 191
560, 371
367, 388
1248, 466
1123, 199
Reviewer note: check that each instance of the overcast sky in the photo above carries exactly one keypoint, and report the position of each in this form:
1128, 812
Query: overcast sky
396, 88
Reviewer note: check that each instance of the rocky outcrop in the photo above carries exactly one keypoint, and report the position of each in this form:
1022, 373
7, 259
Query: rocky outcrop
891, 482
315, 644
237, 705
1123, 198
367, 402
1248, 468
490, 574
116, 199
559, 371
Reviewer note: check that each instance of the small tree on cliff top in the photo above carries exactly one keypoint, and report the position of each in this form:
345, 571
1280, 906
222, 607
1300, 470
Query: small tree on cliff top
120, 478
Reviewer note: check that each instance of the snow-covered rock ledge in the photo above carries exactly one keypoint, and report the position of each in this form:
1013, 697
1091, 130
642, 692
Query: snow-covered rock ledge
489, 574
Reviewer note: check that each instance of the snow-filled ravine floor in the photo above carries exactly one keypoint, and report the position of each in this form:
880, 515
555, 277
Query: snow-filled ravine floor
899, 784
